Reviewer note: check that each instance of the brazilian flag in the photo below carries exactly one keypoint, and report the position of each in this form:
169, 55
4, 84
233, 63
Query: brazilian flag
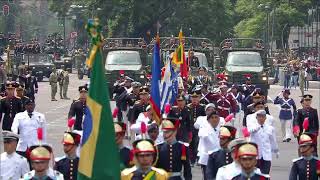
99, 157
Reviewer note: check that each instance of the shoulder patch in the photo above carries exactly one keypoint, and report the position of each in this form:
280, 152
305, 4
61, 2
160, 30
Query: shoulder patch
128, 171
297, 159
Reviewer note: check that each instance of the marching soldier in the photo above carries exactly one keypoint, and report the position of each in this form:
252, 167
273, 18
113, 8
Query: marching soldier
20, 94
264, 136
250, 108
306, 166
31, 85
12, 166
78, 107
307, 113
173, 155
208, 138
40, 156
286, 114
65, 84
145, 153
196, 110
53, 80
60, 73
182, 112
223, 156
247, 154
120, 130
68, 165
233, 168
224, 101
27, 123
10, 106
203, 77
140, 105
248, 87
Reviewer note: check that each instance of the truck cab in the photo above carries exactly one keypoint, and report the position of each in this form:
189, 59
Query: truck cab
128, 55
242, 56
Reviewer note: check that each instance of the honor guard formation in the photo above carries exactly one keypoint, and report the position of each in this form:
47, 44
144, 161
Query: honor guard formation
159, 107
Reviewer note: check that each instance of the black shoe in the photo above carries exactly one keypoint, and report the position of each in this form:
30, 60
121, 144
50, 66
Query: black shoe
289, 139
285, 140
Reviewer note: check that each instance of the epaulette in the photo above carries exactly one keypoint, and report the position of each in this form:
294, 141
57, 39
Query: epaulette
264, 175
26, 97
202, 104
59, 158
184, 143
75, 100
160, 171
17, 97
128, 171
297, 159
160, 143
137, 102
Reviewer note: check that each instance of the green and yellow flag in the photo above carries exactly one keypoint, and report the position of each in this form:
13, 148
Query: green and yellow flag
99, 157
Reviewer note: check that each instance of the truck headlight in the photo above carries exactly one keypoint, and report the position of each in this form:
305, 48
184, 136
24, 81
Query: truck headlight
264, 78
33, 67
67, 61
141, 76
48, 67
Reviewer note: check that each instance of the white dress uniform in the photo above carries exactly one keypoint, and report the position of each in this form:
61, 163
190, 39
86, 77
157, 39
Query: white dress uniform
27, 128
209, 141
53, 174
229, 171
252, 121
13, 166
265, 137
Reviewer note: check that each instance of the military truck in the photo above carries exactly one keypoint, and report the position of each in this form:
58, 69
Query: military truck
202, 48
41, 65
128, 55
240, 56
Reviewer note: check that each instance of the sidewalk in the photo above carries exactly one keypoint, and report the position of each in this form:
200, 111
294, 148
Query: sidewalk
312, 84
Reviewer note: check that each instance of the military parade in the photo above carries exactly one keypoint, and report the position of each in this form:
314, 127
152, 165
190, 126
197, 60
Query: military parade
104, 96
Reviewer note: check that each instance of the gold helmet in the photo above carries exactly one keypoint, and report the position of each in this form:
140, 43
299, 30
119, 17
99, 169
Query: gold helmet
228, 132
143, 146
248, 149
40, 153
306, 139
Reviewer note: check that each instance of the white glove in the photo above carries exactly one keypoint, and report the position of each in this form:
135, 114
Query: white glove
279, 94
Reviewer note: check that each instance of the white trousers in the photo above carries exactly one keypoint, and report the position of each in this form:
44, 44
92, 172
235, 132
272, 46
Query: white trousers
286, 128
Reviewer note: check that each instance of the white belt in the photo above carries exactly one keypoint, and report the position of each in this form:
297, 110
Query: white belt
223, 108
284, 109
175, 174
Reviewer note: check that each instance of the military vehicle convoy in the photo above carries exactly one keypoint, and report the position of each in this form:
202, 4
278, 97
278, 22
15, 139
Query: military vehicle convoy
240, 56
41, 65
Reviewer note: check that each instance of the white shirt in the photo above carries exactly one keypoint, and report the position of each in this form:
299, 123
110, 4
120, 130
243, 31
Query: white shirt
265, 138
13, 166
229, 171
202, 121
209, 140
252, 121
27, 128
53, 174
137, 126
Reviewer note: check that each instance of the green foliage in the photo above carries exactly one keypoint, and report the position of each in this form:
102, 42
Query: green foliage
253, 16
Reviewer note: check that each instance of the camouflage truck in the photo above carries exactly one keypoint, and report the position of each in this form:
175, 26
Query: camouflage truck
240, 56
128, 55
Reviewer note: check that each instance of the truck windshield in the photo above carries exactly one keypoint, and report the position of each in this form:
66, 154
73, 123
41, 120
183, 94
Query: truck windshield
123, 58
244, 59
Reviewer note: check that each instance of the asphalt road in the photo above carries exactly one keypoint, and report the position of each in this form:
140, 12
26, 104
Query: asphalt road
56, 116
